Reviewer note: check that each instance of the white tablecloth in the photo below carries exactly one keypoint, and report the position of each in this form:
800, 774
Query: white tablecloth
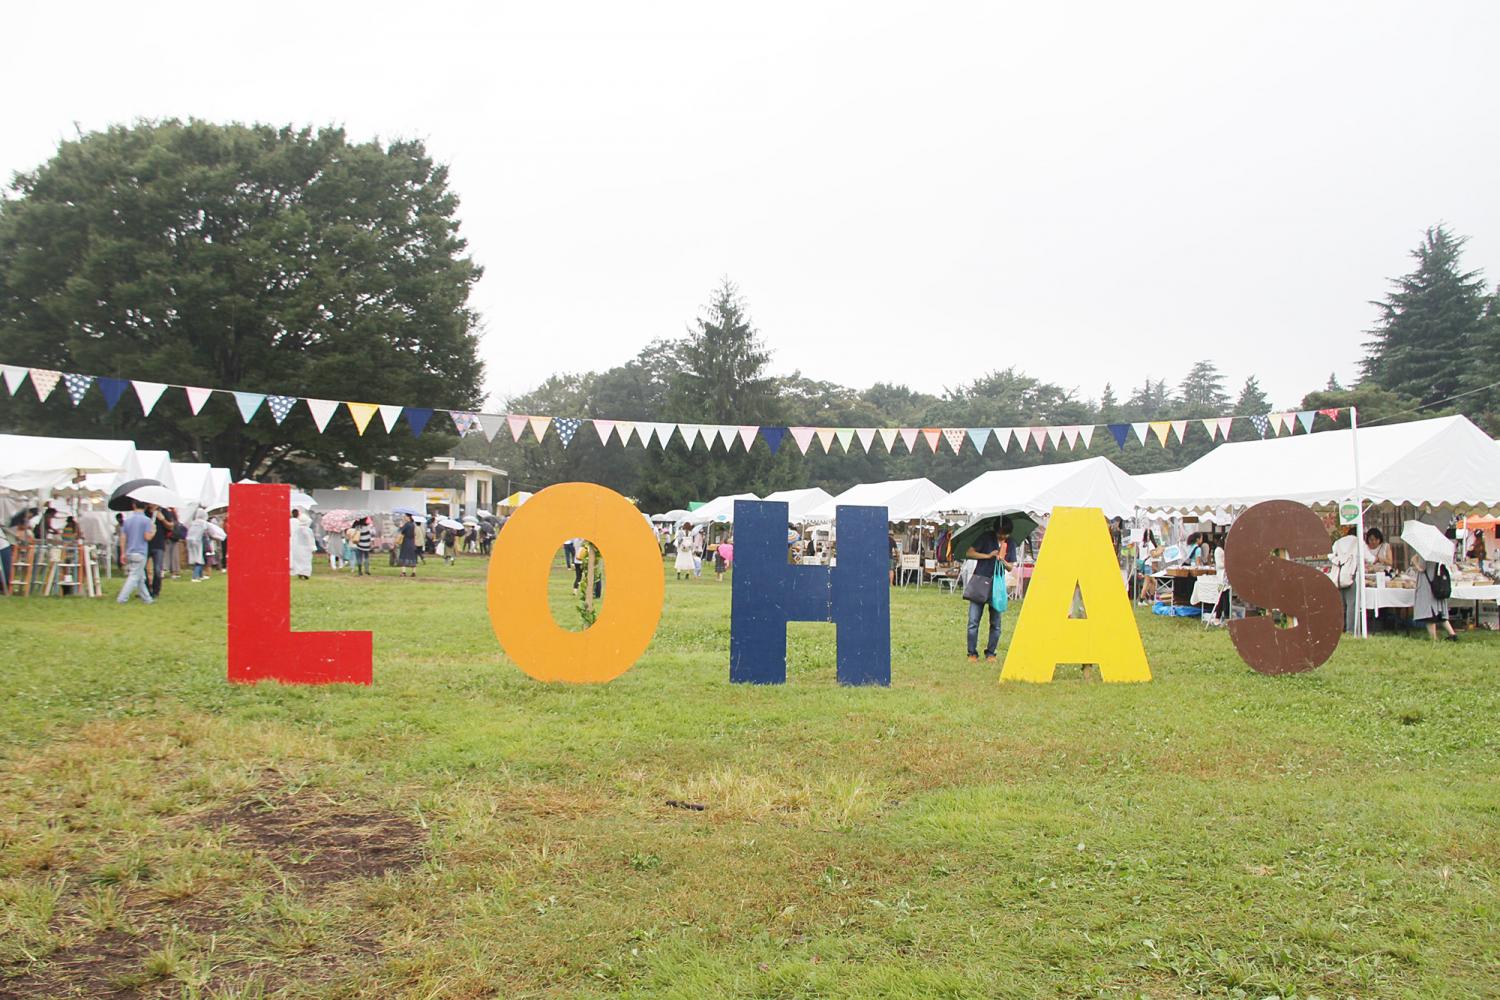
1398, 597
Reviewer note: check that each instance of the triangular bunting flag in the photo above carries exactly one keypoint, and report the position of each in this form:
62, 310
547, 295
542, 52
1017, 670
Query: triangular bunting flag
1070, 434
747, 435
663, 432
1054, 435
604, 428
389, 414
803, 436
416, 419
322, 410
931, 435
727, 434
1179, 427
112, 389
909, 438
1087, 433
1275, 420
517, 424
566, 427
1211, 426
1261, 421
463, 422
773, 436
539, 426
866, 438
1038, 436
248, 403
845, 435
979, 436
1305, 418
77, 386
1140, 429
280, 406
825, 438
624, 429
1161, 428
148, 393
1003, 436
887, 437
196, 397
1119, 432
363, 413
491, 424
1333, 414
14, 376
955, 437
44, 380
1226, 424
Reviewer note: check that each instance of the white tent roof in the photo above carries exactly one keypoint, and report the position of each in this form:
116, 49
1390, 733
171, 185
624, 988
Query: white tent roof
192, 482
157, 465
26, 453
1444, 460
718, 508
218, 480
799, 502
903, 499
1091, 482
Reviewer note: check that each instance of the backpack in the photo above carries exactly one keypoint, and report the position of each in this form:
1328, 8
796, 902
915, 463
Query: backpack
1442, 582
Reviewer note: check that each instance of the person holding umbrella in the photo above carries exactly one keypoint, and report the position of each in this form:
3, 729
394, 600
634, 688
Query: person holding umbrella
989, 549
136, 532
407, 536
1432, 559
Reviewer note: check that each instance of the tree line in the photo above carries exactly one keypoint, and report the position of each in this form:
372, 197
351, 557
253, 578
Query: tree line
281, 259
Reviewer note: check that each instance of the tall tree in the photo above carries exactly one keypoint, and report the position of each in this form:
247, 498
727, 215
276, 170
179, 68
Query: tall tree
269, 260
1430, 324
1202, 391
720, 377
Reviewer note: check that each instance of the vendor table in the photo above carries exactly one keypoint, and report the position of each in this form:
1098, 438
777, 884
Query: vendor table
1377, 598
1182, 580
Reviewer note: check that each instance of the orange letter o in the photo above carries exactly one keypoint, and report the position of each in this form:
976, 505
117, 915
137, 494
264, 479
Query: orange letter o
522, 559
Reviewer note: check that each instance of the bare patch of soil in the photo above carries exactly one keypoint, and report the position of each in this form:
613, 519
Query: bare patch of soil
317, 844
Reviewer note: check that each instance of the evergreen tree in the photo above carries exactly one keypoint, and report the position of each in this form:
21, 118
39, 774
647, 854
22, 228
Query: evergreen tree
1430, 325
1202, 391
1252, 401
1333, 383
1109, 406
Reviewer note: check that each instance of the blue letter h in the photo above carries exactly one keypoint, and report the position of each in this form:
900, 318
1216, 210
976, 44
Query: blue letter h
855, 595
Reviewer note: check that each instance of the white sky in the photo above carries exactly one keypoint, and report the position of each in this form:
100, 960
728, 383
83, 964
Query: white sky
1091, 191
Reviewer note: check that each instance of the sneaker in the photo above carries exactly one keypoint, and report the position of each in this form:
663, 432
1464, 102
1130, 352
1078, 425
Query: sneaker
973, 657
989, 657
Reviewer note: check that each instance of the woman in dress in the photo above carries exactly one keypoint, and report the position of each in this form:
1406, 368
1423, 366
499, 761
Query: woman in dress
1427, 608
407, 558
683, 564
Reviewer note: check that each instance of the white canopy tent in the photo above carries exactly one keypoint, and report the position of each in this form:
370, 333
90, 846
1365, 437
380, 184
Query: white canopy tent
903, 499
1091, 482
799, 502
28, 453
1446, 460
719, 509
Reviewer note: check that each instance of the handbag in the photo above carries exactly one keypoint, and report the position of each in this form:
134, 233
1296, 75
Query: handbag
1000, 596
978, 588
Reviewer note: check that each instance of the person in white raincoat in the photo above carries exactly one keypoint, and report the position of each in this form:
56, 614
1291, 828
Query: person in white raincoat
196, 548
302, 546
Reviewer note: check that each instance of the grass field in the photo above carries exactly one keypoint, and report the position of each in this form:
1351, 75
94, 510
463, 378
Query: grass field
458, 830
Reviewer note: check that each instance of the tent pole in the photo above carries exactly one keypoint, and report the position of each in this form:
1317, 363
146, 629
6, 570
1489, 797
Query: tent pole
1361, 627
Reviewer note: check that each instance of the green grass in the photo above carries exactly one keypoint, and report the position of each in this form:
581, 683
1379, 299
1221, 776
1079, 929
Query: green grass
1213, 833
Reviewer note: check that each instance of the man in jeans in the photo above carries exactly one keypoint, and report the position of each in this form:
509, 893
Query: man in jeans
136, 532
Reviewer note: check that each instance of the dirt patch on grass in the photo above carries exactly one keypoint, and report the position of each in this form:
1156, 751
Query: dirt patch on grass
314, 845
320, 843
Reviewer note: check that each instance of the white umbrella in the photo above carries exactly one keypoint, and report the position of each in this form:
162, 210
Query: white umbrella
300, 499
1428, 542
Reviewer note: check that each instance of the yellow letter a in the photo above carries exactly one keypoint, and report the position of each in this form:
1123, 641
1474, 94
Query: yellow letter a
1076, 553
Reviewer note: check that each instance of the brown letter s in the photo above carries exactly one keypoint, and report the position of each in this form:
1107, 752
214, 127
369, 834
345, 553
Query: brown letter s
1300, 592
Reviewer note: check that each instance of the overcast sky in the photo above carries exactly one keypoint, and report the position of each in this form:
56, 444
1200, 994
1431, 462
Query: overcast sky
1091, 191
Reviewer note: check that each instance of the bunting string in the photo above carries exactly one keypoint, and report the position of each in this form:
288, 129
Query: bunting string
626, 433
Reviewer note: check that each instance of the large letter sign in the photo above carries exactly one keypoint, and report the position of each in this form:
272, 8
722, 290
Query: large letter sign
1076, 554
262, 645
1301, 592
769, 592
522, 560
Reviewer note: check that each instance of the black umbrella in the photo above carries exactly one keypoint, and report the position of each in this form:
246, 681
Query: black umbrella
143, 491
